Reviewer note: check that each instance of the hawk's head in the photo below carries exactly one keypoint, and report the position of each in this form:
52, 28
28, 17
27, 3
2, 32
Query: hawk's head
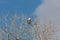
29, 20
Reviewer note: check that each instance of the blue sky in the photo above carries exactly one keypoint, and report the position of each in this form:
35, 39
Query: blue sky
25, 7
48, 10
21, 7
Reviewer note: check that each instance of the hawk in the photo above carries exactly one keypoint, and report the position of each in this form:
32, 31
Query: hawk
29, 20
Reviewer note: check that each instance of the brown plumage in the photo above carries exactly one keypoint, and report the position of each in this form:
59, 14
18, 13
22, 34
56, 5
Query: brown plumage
29, 20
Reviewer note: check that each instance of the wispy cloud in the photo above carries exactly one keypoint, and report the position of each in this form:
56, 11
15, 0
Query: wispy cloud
49, 10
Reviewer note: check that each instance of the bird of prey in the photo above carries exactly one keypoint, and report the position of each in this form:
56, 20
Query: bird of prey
29, 20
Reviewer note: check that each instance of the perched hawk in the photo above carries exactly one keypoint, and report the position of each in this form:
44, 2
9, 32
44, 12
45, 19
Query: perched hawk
29, 20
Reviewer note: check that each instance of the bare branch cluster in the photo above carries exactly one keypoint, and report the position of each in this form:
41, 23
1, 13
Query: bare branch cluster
43, 31
17, 28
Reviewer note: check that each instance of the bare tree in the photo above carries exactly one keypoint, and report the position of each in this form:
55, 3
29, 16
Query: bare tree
43, 31
0, 37
17, 28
